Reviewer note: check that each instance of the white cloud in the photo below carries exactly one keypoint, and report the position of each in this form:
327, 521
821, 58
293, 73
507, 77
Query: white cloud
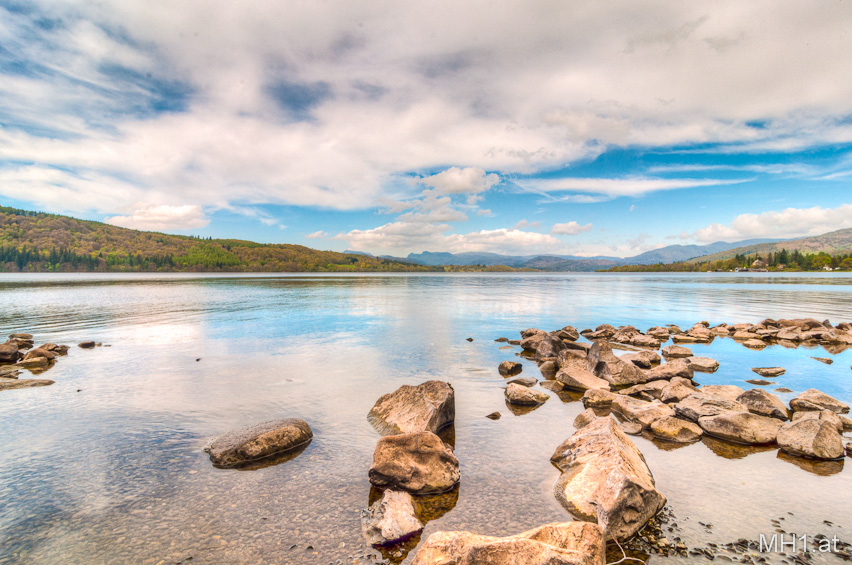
614, 187
459, 181
162, 217
525, 224
316, 235
783, 224
571, 228
484, 212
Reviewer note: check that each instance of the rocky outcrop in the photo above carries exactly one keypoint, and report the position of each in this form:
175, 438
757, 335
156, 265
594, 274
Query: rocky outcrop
419, 463
763, 403
429, 406
253, 443
577, 378
741, 427
605, 479
701, 405
640, 411
674, 429
813, 399
510, 368
524, 396
390, 520
817, 439
571, 543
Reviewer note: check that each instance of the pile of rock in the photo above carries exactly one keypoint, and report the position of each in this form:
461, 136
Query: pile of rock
19, 352
790, 333
410, 460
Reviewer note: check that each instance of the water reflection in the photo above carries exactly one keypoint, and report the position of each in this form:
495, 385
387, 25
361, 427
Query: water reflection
730, 450
815, 466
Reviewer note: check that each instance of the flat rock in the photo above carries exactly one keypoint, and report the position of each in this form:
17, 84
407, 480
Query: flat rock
646, 391
674, 429
817, 439
640, 411
390, 520
760, 382
597, 398
770, 372
524, 381
825, 360
676, 352
642, 359
429, 406
702, 364
631, 428
524, 396
763, 403
741, 427
731, 392
253, 443
701, 405
419, 463
671, 369
683, 338
754, 344
510, 368
605, 479
571, 543
11, 384
813, 399
783, 390
577, 378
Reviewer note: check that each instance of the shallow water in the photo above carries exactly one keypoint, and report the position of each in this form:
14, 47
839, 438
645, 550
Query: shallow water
106, 466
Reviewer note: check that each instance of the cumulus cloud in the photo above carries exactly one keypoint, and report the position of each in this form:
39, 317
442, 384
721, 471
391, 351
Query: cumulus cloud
459, 181
782, 224
316, 235
570, 228
162, 218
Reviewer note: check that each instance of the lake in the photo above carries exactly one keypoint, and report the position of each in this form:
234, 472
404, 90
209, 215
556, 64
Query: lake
106, 465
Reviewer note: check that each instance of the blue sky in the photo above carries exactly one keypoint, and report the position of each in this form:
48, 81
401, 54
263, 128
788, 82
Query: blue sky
583, 128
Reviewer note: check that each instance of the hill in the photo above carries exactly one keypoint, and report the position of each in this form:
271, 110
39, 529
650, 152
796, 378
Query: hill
38, 242
832, 243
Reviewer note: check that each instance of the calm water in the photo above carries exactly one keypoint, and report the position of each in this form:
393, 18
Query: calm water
106, 465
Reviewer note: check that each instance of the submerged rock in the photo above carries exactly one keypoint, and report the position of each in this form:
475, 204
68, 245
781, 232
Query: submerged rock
11, 384
87, 344
813, 399
741, 427
825, 360
494, 416
605, 479
524, 396
419, 463
524, 381
258, 442
390, 520
429, 406
818, 439
571, 543
769, 371
510, 368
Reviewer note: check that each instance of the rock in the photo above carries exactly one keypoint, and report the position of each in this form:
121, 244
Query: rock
754, 344
823, 415
759, 382
571, 543
783, 390
390, 520
419, 463
817, 439
9, 372
849, 449
646, 391
674, 429
813, 399
552, 386
584, 418
532, 342
743, 335
429, 406
577, 378
510, 368
642, 359
569, 333
676, 352
670, 370
844, 421
603, 363
578, 346
741, 427
604, 331
39, 352
550, 346
23, 336
703, 364
548, 370
631, 428
598, 398
640, 411
524, 381
605, 479
259, 441
659, 333
730, 392
502, 340
9, 352
494, 416
514, 342
683, 338
87, 344
824, 360
34, 363
11, 384
763, 403
769, 371
676, 391
700, 405
523, 396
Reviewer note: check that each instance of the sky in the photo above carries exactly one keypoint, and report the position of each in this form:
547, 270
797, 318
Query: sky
604, 127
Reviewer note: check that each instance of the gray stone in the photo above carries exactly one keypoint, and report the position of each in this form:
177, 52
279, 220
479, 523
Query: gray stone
258, 442
390, 520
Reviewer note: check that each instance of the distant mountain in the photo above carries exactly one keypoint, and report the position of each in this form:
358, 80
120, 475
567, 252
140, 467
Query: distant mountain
675, 253
474, 258
833, 243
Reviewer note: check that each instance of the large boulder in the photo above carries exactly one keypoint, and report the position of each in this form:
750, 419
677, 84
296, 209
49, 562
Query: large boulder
813, 399
524, 396
670, 370
647, 391
640, 411
741, 427
390, 520
605, 479
701, 405
419, 463
835, 420
676, 390
253, 443
509, 368
550, 346
571, 543
642, 359
603, 363
426, 407
39, 352
763, 403
674, 429
578, 378
532, 341
568, 333
597, 398
9, 352
817, 439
